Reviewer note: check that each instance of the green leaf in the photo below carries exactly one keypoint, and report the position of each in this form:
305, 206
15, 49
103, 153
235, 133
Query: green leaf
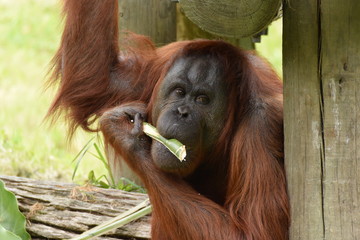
129, 186
91, 177
11, 219
5, 234
103, 184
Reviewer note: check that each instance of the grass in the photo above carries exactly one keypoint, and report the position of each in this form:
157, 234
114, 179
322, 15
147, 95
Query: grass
30, 33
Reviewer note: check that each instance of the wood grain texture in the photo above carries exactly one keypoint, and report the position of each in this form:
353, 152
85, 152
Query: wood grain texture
187, 30
153, 18
302, 118
322, 85
62, 210
231, 18
340, 74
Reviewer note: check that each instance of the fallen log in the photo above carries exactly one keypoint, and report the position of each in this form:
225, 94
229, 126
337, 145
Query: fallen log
64, 210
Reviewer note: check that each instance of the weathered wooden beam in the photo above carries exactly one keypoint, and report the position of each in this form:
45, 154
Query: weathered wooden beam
153, 18
231, 18
340, 76
187, 30
63, 210
303, 118
321, 100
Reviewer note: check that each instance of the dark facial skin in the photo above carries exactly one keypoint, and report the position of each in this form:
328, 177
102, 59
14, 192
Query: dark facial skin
190, 106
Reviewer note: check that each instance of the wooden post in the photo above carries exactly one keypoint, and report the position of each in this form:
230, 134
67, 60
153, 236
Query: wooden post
340, 75
321, 111
153, 18
302, 118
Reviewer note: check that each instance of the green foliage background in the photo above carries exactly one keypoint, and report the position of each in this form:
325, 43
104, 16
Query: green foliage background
30, 31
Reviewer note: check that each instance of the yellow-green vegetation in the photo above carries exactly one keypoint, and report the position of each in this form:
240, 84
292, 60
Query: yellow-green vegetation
30, 33
271, 45
174, 146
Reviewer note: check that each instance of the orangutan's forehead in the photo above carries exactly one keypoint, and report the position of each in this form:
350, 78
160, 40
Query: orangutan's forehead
196, 69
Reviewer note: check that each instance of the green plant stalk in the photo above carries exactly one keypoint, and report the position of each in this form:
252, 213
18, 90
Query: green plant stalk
80, 156
175, 146
106, 164
130, 215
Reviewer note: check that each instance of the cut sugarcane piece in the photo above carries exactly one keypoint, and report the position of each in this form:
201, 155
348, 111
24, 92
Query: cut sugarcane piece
174, 146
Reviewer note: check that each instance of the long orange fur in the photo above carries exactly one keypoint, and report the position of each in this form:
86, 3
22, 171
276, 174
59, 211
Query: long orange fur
95, 74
